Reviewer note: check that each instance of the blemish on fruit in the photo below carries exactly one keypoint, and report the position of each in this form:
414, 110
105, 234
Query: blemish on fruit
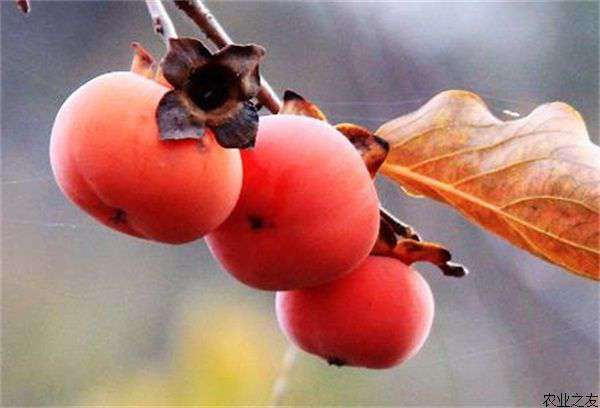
256, 222
119, 217
338, 362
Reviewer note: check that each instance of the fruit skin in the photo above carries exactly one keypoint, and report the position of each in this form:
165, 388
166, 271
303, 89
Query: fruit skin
378, 316
107, 157
308, 210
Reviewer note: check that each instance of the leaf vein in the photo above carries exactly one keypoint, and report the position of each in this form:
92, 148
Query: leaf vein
548, 197
498, 170
481, 148
433, 129
449, 188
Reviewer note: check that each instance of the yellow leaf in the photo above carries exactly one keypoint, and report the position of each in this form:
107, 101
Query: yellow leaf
534, 181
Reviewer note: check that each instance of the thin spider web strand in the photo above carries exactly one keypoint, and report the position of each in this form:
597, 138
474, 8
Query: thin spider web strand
487, 96
27, 180
50, 224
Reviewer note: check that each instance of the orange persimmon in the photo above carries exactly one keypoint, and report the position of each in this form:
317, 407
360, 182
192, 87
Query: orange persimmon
377, 316
308, 212
108, 158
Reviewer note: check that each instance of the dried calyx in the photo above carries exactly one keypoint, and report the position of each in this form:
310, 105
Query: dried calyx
372, 149
294, 104
210, 90
143, 62
400, 241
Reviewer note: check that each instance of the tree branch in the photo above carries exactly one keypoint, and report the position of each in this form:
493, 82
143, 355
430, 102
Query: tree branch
204, 19
163, 25
215, 32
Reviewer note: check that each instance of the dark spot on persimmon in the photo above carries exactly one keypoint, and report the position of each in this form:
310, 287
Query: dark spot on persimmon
256, 222
338, 362
119, 216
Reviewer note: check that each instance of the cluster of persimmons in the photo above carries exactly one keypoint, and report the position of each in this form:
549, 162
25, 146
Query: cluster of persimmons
285, 202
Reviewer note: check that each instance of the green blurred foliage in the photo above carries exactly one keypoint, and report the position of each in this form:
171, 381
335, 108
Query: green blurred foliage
221, 355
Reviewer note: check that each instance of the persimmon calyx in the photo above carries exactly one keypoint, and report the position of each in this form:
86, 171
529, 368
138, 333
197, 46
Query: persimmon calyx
392, 228
400, 241
294, 104
143, 62
210, 90
372, 149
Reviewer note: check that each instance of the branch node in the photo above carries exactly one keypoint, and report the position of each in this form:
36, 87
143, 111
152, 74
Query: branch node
161, 22
158, 27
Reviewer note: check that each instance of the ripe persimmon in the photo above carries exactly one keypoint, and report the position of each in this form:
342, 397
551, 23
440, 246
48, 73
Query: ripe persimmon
107, 157
308, 211
377, 316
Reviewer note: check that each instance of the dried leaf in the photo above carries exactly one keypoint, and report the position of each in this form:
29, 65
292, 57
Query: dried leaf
177, 119
210, 91
534, 181
160, 78
239, 132
400, 241
143, 62
372, 149
294, 104
395, 228
183, 57
243, 60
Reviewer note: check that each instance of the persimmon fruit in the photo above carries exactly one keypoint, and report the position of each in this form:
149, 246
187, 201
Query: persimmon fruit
308, 211
107, 157
377, 316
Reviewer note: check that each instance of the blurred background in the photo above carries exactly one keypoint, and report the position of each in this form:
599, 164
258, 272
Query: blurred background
90, 316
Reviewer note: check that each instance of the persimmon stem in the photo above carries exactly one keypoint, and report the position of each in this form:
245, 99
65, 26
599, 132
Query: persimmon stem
214, 31
163, 25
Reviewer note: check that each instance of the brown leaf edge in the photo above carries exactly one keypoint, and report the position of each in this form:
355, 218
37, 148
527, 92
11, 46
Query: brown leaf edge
549, 151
